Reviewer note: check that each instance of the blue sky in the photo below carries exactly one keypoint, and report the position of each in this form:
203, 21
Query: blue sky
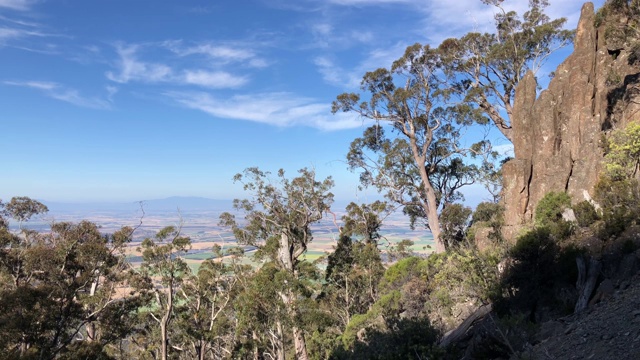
113, 100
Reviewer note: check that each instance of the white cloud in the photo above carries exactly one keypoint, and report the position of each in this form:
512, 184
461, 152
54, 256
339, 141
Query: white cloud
62, 93
132, 69
322, 29
211, 50
16, 4
40, 85
351, 78
335, 75
215, 79
111, 92
473, 15
278, 109
369, 2
326, 37
218, 53
9, 33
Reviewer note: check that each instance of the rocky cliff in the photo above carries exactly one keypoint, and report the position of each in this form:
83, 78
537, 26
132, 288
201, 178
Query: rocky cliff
558, 134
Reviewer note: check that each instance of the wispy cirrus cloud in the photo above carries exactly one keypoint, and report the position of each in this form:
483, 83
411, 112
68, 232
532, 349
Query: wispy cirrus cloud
350, 78
213, 79
63, 93
131, 69
370, 2
436, 25
278, 109
218, 53
21, 5
335, 75
15, 31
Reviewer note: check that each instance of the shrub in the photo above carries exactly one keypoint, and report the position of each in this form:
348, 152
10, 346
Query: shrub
486, 211
454, 221
540, 273
549, 215
585, 213
623, 157
487, 215
551, 206
619, 199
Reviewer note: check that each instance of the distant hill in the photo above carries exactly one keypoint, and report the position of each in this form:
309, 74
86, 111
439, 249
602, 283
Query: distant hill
170, 204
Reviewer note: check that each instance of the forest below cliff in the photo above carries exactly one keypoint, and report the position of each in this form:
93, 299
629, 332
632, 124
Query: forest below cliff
562, 222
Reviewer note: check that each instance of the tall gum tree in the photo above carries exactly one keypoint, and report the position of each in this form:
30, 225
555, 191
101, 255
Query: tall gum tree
486, 67
163, 273
278, 220
422, 168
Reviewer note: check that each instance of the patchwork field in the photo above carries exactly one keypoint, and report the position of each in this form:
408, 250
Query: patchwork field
203, 229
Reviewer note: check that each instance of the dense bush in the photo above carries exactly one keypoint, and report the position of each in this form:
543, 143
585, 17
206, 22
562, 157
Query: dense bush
549, 214
540, 267
454, 221
586, 214
551, 206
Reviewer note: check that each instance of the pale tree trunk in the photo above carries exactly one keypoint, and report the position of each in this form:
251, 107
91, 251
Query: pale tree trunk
298, 335
164, 325
256, 353
202, 350
432, 217
280, 348
431, 207
300, 344
285, 254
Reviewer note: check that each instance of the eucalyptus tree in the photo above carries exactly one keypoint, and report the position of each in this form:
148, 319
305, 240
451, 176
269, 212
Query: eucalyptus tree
422, 167
487, 67
278, 219
205, 328
162, 275
355, 266
63, 298
22, 208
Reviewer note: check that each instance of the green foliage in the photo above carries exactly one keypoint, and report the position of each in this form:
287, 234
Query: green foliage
623, 157
352, 275
400, 272
551, 206
619, 199
488, 215
278, 221
486, 68
454, 221
421, 168
585, 213
549, 214
486, 212
611, 13
382, 333
364, 220
58, 283
539, 270
463, 275
23, 208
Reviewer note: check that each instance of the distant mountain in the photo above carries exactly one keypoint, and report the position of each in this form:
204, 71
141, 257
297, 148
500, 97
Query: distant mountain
174, 203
